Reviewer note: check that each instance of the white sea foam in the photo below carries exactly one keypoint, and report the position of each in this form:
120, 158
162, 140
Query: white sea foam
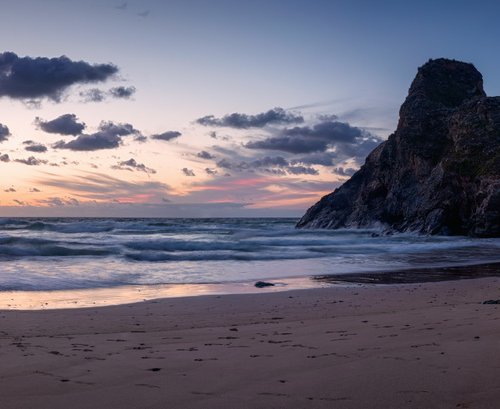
86, 253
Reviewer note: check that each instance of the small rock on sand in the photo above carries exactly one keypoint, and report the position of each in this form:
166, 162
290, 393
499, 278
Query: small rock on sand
262, 284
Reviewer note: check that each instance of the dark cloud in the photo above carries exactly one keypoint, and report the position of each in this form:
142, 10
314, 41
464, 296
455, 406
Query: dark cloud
4, 158
227, 164
32, 161
215, 135
41, 77
275, 171
288, 144
360, 150
122, 92
109, 136
301, 170
144, 13
35, 190
120, 129
99, 95
243, 121
93, 142
132, 165
267, 161
317, 158
243, 165
93, 95
205, 155
66, 124
140, 138
166, 136
211, 172
188, 172
309, 139
10, 190
59, 201
32, 103
276, 165
344, 171
327, 117
327, 143
65, 162
4, 133
376, 129
36, 147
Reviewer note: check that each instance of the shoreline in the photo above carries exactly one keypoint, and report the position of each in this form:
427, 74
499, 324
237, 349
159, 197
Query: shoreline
432, 345
103, 297
132, 294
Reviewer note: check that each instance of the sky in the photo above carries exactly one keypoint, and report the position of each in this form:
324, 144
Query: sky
211, 108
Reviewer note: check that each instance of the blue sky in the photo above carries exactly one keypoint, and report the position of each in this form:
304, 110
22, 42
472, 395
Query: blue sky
328, 62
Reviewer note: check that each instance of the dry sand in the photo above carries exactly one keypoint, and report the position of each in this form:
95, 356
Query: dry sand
430, 345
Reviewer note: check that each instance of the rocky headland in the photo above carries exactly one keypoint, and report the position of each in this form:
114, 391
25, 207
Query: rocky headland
438, 173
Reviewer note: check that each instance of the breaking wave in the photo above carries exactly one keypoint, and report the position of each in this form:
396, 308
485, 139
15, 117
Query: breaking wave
53, 253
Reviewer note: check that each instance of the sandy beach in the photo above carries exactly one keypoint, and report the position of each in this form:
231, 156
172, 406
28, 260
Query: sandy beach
423, 345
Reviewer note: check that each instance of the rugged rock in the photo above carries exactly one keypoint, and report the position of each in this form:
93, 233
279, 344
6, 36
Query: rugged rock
438, 173
491, 302
263, 284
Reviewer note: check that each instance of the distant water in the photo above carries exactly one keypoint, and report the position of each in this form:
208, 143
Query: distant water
62, 253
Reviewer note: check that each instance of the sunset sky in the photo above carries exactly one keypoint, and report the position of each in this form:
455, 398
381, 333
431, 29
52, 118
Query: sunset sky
211, 108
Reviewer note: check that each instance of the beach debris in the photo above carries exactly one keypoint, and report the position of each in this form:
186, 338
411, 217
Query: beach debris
262, 284
491, 302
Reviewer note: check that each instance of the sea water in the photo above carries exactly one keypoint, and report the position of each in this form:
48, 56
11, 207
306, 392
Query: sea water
70, 253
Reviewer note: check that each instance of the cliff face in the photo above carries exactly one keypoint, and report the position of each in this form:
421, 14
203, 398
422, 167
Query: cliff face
438, 173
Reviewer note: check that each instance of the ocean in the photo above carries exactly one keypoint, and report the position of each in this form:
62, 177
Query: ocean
38, 254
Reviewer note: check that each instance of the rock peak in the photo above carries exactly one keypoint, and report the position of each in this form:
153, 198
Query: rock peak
438, 173
447, 82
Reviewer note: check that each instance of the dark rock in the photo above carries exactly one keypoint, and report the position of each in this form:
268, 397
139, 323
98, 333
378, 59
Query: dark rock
491, 302
438, 173
262, 284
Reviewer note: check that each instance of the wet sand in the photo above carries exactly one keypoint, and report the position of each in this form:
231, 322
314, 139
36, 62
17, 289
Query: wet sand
416, 275
420, 345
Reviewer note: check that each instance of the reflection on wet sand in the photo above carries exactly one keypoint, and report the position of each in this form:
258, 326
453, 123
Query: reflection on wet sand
419, 275
100, 297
